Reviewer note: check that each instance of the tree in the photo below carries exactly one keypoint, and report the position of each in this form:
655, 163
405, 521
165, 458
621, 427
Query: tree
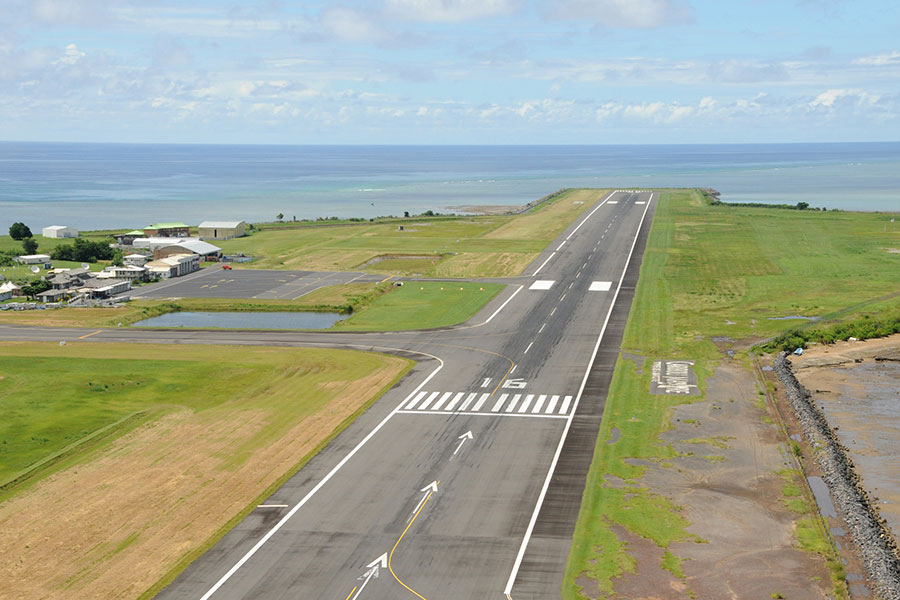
802, 205
29, 245
279, 216
118, 257
83, 251
19, 231
35, 287
406, 214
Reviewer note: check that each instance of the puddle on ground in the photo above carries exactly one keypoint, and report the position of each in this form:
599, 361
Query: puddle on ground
823, 496
614, 434
863, 406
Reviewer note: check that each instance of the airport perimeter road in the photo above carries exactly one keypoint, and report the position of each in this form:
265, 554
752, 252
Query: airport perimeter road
464, 481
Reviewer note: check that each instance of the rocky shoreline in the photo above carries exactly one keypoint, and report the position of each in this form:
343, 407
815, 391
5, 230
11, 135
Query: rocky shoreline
873, 538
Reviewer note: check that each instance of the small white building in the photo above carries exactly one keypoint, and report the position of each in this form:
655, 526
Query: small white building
59, 231
128, 272
33, 259
173, 266
104, 288
8, 287
135, 260
221, 230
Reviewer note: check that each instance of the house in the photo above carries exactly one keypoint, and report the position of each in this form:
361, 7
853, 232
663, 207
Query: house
129, 272
221, 230
167, 230
33, 259
59, 231
9, 288
127, 238
54, 295
104, 288
173, 266
61, 279
135, 260
204, 250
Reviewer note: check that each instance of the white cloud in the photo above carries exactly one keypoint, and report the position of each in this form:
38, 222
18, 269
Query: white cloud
639, 14
450, 11
878, 60
351, 26
71, 56
71, 12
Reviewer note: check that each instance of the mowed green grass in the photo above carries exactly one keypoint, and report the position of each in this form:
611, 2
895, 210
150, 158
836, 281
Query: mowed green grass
712, 271
422, 305
472, 246
54, 396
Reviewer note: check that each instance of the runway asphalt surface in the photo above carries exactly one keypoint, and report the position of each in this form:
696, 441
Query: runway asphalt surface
464, 481
215, 282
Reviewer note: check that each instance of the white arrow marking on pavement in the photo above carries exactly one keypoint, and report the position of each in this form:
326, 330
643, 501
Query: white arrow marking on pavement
466, 436
429, 490
372, 573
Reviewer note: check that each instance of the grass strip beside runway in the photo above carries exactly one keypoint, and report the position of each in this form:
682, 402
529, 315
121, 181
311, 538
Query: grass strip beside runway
710, 272
190, 436
423, 305
479, 246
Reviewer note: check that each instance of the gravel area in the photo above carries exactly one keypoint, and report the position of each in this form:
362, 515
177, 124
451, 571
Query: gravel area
876, 545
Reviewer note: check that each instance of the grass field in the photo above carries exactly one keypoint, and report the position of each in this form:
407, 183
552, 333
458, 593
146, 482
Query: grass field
470, 246
383, 307
218, 428
710, 272
422, 305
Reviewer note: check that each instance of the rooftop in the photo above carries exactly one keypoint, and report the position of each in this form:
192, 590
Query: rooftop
220, 224
165, 226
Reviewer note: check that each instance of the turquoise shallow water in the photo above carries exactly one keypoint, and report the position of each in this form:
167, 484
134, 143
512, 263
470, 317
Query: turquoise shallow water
93, 186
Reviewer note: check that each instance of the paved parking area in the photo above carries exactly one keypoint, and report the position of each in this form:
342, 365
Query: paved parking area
215, 282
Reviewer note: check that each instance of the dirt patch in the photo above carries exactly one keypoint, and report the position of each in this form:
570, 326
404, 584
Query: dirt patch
112, 527
484, 209
727, 483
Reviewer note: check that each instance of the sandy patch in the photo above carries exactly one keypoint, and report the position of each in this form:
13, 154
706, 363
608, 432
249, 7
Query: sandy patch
112, 527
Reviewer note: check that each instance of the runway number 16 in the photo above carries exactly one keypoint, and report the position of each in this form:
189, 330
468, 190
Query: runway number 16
515, 384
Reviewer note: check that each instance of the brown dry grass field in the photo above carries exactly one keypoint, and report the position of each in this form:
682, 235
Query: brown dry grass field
114, 520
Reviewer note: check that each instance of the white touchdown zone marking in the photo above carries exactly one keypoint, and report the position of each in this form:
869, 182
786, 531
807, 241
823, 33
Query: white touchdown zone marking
542, 284
600, 286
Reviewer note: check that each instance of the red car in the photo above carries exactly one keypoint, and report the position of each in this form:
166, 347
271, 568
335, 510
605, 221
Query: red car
226, 267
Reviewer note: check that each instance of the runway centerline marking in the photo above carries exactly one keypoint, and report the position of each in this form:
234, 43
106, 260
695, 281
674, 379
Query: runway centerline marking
528, 348
562, 440
90, 334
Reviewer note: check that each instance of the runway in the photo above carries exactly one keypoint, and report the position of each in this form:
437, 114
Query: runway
464, 480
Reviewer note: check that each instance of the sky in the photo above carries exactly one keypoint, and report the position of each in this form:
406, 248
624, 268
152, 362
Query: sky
450, 71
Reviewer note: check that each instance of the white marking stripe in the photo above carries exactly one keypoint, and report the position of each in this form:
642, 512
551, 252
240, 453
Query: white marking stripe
613, 202
552, 405
600, 286
415, 400
429, 400
526, 403
542, 284
538, 270
440, 403
456, 399
446, 402
640, 203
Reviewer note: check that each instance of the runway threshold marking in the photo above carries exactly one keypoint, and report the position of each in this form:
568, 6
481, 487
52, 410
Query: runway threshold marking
90, 334
429, 490
562, 440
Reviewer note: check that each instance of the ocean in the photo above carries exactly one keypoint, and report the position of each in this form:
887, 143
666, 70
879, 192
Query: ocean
115, 186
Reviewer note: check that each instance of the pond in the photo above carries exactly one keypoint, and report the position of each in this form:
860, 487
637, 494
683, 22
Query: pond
245, 320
